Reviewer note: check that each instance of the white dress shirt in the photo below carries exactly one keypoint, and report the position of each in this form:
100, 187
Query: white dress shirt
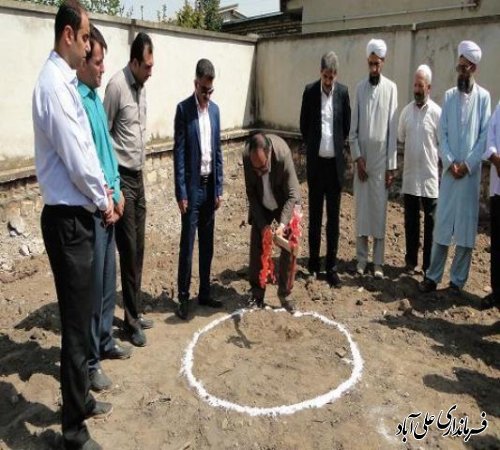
67, 166
493, 146
418, 130
205, 139
268, 199
326, 149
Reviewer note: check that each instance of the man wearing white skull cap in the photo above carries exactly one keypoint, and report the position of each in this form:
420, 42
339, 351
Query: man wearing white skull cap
373, 147
462, 130
418, 131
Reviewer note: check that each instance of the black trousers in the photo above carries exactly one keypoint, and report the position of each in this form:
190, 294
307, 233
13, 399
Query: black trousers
495, 246
412, 228
68, 234
325, 184
200, 217
130, 233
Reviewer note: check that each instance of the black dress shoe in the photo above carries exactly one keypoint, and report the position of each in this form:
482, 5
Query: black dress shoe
210, 302
454, 289
313, 267
117, 352
182, 310
136, 335
99, 381
490, 301
333, 279
288, 303
100, 410
91, 445
257, 303
427, 286
145, 324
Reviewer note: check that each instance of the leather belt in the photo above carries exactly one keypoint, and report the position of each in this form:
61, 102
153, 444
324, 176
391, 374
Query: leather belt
205, 179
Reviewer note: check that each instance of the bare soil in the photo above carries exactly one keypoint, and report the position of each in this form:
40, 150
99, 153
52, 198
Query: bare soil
421, 353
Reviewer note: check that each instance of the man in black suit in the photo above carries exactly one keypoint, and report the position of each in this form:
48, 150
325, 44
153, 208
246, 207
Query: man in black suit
325, 119
198, 183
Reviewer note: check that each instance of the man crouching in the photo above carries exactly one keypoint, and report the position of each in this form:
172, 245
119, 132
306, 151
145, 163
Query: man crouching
273, 191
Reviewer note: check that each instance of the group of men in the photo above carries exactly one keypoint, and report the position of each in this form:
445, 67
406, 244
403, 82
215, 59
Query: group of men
90, 156
443, 151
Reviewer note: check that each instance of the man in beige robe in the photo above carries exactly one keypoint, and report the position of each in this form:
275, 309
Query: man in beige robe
373, 140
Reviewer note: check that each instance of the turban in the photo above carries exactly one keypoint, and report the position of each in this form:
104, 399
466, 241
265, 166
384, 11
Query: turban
426, 70
376, 46
470, 50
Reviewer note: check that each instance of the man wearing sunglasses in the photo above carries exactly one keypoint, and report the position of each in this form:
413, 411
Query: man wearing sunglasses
463, 130
273, 191
198, 183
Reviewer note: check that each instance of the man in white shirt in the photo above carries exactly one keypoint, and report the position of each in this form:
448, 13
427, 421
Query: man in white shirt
198, 183
493, 155
73, 187
418, 130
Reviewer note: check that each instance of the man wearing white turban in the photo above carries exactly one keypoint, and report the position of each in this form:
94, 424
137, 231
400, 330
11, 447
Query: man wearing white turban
373, 148
463, 130
418, 131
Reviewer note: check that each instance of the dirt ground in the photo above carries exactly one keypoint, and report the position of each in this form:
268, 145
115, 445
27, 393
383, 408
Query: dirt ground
421, 353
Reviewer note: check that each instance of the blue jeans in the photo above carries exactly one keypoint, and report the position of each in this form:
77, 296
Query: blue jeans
104, 277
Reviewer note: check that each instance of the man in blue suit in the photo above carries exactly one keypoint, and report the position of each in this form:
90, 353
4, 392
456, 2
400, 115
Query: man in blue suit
198, 183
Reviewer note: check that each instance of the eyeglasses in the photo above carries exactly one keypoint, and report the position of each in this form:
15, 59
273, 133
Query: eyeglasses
463, 68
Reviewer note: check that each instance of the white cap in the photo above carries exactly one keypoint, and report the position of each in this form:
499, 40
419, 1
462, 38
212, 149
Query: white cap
426, 70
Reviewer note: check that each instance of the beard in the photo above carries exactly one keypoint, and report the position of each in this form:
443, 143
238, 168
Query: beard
374, 79
465, 84
420, 98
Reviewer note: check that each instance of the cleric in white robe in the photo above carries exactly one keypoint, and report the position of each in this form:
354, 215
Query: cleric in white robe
373, 141
463, 131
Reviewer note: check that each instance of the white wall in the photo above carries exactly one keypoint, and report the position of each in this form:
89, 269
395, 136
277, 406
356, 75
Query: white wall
319, 15
27, 37
285, 65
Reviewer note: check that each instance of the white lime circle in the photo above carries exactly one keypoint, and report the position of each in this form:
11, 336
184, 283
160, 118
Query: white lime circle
316, 402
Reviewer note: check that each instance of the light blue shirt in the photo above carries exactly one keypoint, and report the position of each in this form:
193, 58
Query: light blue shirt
67, 166
102, 140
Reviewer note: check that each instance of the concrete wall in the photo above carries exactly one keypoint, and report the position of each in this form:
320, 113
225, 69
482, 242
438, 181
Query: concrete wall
285, 65
27, 38
319, 15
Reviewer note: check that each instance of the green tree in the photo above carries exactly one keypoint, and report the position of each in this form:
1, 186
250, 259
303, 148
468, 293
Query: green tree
162, 16
189, 17
212, 18
110, 7
203, 15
